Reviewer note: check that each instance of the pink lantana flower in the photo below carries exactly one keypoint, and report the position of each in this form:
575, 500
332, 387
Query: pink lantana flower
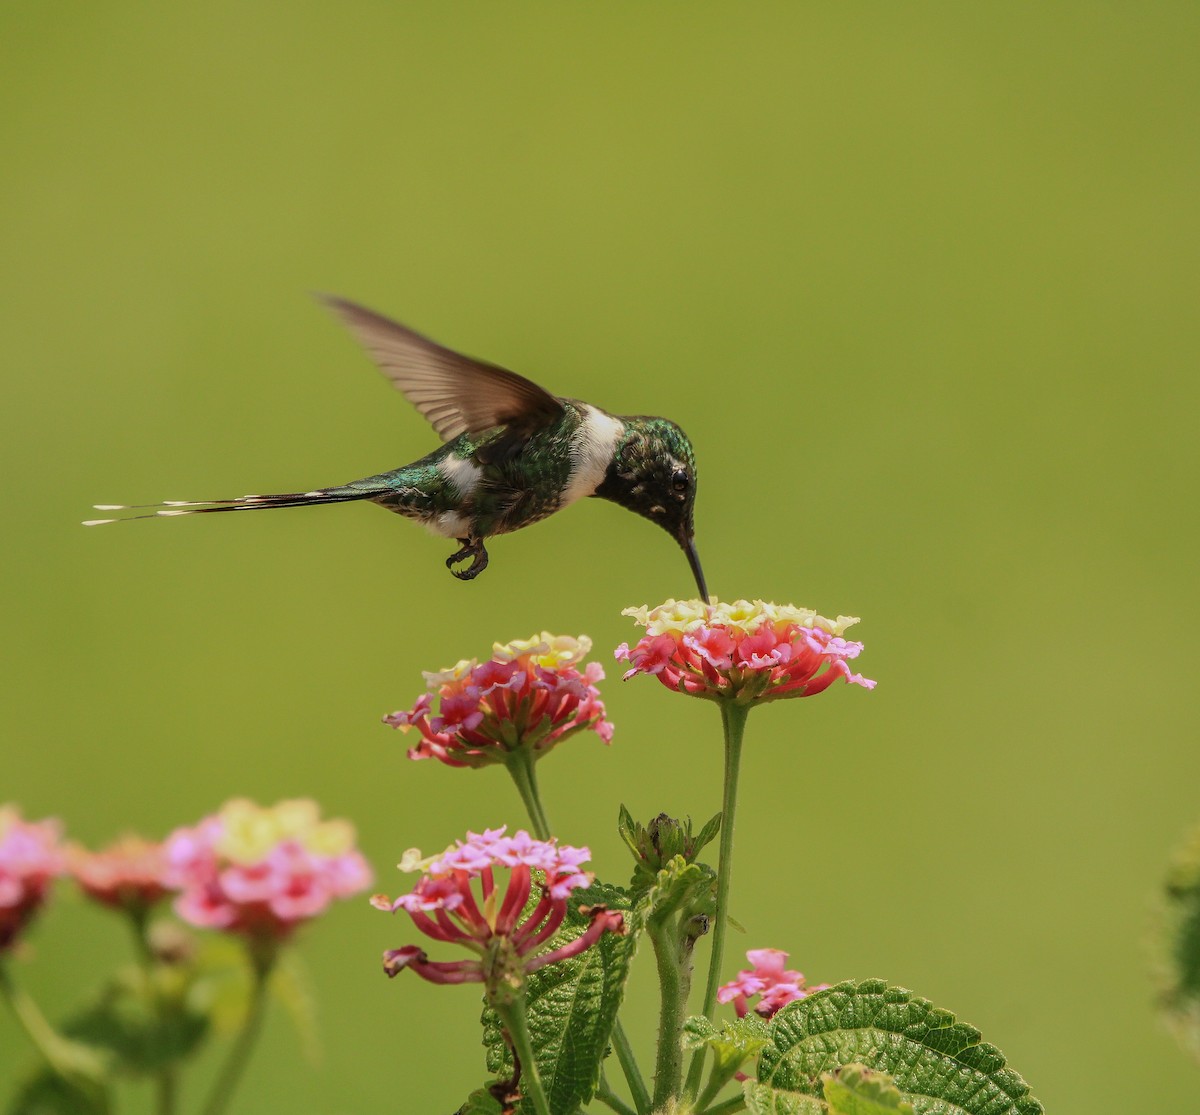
530, 694
30, 859
459, 901
775, 985
747, 651
261, 872
130, 874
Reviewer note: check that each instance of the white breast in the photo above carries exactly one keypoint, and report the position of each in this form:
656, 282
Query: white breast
463, 474
592, 450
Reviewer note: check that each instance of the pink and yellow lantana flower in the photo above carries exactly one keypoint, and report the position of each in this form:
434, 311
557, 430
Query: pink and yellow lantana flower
531, 694
775, 985
262, 871
493, 923
130, 874
747, 651
30, 859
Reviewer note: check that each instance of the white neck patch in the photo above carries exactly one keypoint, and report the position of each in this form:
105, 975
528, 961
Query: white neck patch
592, 450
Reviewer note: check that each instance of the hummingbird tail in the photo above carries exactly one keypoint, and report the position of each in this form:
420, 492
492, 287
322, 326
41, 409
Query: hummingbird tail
175, 507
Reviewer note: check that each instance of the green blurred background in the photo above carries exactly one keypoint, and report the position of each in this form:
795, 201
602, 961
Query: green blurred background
919, 280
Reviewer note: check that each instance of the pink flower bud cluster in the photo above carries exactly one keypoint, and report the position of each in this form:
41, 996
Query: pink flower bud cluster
130, 874
261, 872
445, 907
30, 858
776, 985
529, 694
747, 650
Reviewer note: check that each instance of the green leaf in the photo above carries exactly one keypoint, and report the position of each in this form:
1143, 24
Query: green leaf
679, 884
732, 1045
1181, 937
663, 839
481, 1102
290, 987
220, 983
762, 1099
45, 1093
939, 1064
142, 1023
856, 1090
571, 1006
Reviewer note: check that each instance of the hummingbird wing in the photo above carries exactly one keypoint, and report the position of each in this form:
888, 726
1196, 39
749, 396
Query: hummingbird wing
457, 394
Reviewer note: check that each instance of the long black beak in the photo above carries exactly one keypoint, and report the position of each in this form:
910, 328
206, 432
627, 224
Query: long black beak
689, 547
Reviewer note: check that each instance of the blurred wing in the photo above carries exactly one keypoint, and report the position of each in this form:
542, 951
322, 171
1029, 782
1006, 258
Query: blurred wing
457, 394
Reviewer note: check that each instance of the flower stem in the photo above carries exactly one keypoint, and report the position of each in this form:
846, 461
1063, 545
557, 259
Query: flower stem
167, 1077
733, 719
608, 1097
675, 984
74, 1064
243, 1046
48, 1042
512, 1017
629, 1066
726, 1107
520, 765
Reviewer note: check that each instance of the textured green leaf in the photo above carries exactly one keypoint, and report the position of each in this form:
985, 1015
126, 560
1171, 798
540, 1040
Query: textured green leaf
572, 1006
939, 1064
857, 1090
481, 1102
732, 1045
1181, 936
762, 1099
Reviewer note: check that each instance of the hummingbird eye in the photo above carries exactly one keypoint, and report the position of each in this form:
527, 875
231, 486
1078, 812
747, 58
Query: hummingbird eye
681, 481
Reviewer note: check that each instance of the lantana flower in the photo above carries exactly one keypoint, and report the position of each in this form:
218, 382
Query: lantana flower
261, 872
30, 859
747, 651
130, 874
530, 695
775, 985
458, 901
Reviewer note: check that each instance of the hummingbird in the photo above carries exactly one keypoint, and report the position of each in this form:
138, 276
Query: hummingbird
511, 453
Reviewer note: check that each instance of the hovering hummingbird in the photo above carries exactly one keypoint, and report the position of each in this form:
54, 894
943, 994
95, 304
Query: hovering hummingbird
512, 453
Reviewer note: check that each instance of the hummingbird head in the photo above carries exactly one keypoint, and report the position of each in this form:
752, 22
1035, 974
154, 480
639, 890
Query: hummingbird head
653, 472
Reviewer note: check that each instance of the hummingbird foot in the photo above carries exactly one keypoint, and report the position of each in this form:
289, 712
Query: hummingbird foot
471, 548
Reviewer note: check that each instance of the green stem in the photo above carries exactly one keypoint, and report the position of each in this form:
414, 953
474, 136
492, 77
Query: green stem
243, 1045
512, 1017
45, 1038
733, 719
607, 1096
629, 1066
520, 766
711, 1090
76, 1065
726, 1107
168, 1091
668, 1067
167, 1077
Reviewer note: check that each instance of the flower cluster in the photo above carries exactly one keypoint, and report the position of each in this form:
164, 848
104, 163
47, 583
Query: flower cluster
30, 858
130, 874
529, 694
443, 906
749, 650
260, 872
769, 979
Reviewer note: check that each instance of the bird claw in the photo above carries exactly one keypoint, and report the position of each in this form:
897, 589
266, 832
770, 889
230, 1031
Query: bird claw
471, 548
